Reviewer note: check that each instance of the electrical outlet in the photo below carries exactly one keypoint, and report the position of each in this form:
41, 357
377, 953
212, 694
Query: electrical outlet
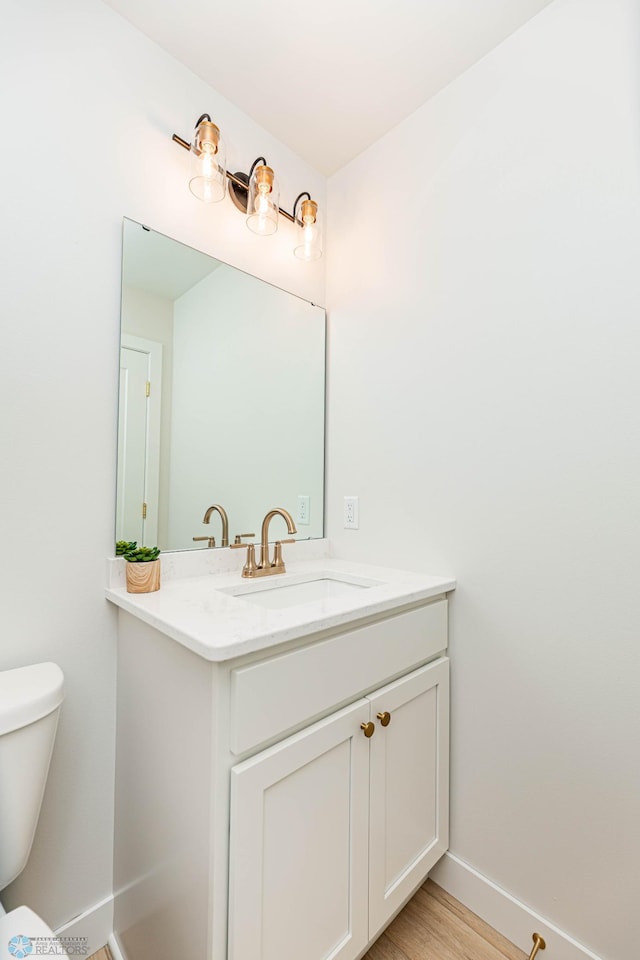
350, 513
304, 508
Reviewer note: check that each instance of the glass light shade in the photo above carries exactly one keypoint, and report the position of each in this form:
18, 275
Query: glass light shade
208, 177
263, 202
308, 232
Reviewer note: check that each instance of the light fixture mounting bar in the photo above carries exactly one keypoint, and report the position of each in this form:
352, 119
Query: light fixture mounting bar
233, 178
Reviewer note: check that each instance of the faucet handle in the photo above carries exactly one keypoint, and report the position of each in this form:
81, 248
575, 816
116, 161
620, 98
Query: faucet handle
278, 562
238, 538
211, 543
250, 565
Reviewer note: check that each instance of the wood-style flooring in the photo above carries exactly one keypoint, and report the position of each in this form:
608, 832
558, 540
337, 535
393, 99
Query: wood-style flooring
432, 926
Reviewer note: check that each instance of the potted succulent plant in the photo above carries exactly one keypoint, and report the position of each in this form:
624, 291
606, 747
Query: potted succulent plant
142, 568
123, 546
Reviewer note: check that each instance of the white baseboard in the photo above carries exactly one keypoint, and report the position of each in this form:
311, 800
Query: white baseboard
495, 906
513, 919
114, 947
95, 924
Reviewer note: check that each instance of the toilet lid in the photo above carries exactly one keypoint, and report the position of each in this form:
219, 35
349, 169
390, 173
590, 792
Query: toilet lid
19, 929
29, 693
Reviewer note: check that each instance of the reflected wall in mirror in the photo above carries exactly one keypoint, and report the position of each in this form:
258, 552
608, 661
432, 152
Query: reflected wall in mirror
222, 389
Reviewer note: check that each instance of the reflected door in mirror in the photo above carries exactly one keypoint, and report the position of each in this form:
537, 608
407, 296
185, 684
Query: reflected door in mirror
139, 413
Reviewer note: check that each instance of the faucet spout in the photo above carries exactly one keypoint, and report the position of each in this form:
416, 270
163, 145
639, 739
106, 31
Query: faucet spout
264, 538
225, 521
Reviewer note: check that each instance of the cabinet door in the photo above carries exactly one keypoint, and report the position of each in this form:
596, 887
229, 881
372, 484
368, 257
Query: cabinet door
409, 811
299, 845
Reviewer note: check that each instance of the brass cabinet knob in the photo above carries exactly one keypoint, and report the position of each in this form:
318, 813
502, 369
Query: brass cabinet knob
538, 944
368, 728
384, 718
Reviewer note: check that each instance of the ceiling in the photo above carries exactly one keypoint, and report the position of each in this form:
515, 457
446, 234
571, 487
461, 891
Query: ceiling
327, 78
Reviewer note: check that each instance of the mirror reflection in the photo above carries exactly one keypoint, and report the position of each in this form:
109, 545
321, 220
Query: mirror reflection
222, 384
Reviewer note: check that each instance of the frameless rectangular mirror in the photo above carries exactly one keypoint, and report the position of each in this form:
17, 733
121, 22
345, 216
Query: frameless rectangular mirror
222, 398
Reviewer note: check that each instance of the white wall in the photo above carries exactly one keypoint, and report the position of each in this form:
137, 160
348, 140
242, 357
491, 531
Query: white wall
248, 419
484, 396
88, 109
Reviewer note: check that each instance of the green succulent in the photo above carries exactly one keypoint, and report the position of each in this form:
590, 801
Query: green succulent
142, 554
125, 546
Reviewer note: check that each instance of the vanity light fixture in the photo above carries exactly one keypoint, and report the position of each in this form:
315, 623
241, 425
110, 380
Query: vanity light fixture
208, 177
307, 229
256, 194
262, 202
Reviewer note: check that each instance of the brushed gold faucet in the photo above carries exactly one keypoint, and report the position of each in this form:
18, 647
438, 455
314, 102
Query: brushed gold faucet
277, 566
225, 521
266, 567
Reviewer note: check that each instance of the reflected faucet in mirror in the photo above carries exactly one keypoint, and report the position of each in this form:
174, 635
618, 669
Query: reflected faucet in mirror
217, 508
211, 541
267, 567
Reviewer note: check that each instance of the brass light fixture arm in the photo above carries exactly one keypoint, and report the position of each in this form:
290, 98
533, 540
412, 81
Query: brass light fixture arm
240, 183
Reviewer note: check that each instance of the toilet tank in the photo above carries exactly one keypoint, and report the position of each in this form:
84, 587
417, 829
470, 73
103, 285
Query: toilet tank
30, 699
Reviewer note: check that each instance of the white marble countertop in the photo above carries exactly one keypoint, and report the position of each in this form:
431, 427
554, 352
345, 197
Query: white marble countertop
218, 626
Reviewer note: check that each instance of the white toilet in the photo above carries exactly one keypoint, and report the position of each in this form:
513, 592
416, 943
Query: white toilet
30, 699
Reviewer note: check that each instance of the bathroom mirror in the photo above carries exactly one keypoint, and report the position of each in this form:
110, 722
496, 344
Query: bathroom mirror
222, 398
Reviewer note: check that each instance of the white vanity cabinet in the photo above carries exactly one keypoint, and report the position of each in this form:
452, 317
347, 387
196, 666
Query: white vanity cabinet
409, 788
255, 820
299, 844
331, 830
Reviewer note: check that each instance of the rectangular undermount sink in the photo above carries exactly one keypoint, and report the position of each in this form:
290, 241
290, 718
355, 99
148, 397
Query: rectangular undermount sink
277, 595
